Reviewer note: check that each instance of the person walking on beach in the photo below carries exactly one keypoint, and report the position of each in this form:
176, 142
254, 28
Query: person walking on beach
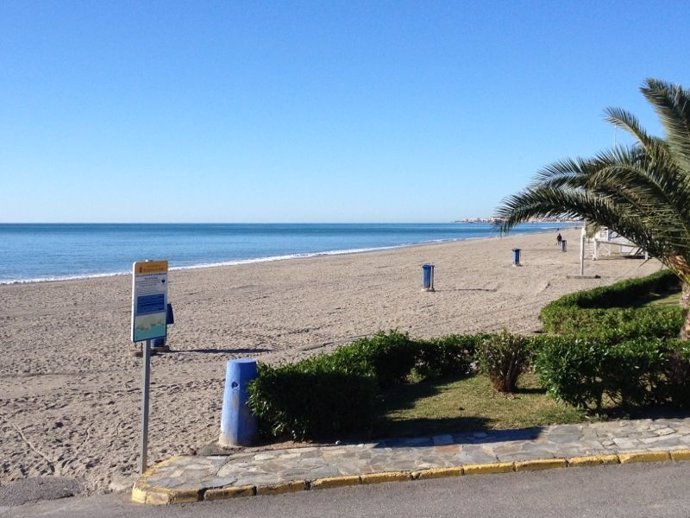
559, 238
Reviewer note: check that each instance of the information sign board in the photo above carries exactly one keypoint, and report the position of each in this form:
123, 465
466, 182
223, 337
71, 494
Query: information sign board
149, 300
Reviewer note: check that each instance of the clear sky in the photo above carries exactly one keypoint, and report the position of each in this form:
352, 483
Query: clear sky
312, 111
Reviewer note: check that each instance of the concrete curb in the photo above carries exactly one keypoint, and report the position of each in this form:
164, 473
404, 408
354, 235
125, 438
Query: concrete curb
145, 493
331, 482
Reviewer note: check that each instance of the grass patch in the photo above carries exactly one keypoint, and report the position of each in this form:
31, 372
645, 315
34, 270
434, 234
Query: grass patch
660, 296
470, 404
667, 299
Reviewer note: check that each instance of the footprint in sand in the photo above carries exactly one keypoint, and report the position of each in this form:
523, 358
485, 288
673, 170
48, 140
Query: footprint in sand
544, 287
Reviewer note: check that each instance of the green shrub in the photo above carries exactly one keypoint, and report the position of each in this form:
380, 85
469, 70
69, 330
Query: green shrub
604, 313
389, 357
315, 398
503, 357
676, 373
452, 355
635, 373
621, 293
615, 324
569, 369
331, 394
632, 373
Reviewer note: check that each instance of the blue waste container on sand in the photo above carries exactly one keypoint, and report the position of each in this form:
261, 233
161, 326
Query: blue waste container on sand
427, 277
238, 426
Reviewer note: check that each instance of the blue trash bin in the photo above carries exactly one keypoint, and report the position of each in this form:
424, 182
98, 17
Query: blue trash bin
238, 426
427, 277
516, 257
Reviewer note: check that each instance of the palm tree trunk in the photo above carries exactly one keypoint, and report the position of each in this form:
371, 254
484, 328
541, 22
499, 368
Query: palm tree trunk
685, 304
685, 296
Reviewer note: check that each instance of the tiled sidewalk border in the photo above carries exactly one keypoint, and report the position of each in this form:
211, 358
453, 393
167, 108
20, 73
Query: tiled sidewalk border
143, 492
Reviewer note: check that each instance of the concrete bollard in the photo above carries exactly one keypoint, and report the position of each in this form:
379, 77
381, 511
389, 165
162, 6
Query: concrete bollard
238, 426
516, 257
564, 245
427, 277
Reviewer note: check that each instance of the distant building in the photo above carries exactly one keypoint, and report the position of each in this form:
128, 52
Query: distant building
533, 220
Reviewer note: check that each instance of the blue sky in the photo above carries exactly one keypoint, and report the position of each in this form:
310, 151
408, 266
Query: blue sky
312, 111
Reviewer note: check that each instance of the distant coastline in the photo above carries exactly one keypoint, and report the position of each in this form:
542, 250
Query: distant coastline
494, 221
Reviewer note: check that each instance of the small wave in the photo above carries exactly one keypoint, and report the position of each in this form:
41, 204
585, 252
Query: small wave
59, 278
236, 262
287, 257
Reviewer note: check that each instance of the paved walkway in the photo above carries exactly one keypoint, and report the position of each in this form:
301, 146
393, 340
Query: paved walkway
195, 478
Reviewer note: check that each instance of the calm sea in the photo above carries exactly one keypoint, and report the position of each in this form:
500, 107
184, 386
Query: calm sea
41, 252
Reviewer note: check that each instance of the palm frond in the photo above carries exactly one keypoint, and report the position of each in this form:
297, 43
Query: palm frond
642, 191
628, 122
672, 104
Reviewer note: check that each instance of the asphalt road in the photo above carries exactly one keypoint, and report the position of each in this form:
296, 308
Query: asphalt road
635, 490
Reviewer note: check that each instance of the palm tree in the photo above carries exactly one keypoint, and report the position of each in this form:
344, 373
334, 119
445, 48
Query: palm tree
641, 191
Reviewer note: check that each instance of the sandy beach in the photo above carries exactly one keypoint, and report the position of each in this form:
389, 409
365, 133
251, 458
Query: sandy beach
70, 391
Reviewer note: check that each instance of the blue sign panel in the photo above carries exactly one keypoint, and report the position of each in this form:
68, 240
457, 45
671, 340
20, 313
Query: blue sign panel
147, 304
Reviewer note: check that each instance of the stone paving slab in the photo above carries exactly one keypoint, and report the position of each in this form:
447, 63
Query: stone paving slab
195, 478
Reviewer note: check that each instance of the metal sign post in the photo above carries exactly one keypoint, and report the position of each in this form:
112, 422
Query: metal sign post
145, 406
149, 318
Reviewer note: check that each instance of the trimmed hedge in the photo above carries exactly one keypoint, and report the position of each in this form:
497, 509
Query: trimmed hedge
597, 313
636, 373
337, 393
449, 356
615, 324
314, 398
387, 357
624, 356
620, 293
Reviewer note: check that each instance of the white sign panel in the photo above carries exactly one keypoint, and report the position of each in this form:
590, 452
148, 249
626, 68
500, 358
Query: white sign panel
149, 300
